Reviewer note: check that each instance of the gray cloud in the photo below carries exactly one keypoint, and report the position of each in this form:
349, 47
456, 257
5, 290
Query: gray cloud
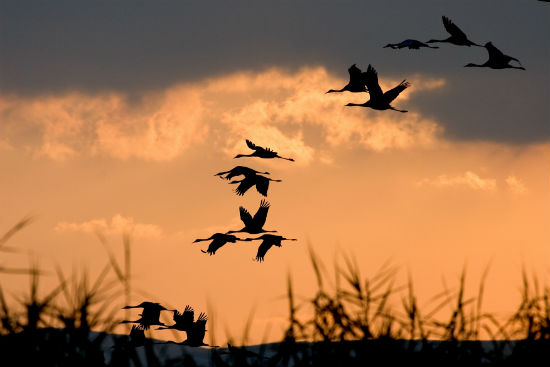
54, 46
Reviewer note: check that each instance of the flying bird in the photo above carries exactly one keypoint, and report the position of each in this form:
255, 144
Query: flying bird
261, 183
196, 332
254, 225
379, 100
457, 37
269, 240
411, 44
183, 321
149, 316
238, 171
218, 240
261, 152
497, 60
356, 81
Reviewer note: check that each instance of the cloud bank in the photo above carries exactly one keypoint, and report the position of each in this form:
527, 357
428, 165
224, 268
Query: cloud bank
289, 111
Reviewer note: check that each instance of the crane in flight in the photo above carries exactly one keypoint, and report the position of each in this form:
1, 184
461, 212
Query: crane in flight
149, 316
410, 44
356, 82
457, 37
379, 100
182, 321
218, 240
254, 225
497, 59
261, 152
261, 183
268, 240
238, 171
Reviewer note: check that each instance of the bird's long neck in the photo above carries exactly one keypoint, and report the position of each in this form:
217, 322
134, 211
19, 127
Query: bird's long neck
288, 159
243, 155
395, 109
471, 65
434, 41
358, 104
202, 239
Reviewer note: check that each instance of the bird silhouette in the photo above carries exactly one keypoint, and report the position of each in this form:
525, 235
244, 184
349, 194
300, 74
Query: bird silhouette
356, 81
261, 183
261, 152
379, 100
218, 240
238, 171
497, 60
254, 225
183, 321
411, 44
149, 316
269, 240
196, 332
457, 37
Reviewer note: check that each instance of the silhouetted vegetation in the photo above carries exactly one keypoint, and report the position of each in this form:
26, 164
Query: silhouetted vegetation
350, 320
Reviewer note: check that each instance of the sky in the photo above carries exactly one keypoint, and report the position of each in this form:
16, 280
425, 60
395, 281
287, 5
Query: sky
115, 116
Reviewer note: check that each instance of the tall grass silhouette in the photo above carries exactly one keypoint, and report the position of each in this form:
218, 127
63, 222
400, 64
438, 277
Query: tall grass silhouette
349, 320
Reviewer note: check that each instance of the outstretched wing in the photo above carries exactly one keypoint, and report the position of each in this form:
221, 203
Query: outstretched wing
262, 184
245, 216
354, 72
394, 92
244, 186
199, 328
494, 53
262, 250
215, 245
186, 319
261, 214
371, 80
453, 29
251, 145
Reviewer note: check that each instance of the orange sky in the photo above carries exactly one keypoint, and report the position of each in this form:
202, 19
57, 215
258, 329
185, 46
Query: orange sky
375, 185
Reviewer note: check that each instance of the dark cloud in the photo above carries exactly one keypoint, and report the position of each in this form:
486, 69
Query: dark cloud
52, 46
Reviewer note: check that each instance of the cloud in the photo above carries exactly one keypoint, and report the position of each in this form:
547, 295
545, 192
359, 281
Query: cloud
158, 127
515, 185
118, 225
274, 108
469, 180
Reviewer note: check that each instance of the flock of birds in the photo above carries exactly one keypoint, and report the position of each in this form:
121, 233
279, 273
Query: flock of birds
150, 316
252, 224
196, 329
360, 81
